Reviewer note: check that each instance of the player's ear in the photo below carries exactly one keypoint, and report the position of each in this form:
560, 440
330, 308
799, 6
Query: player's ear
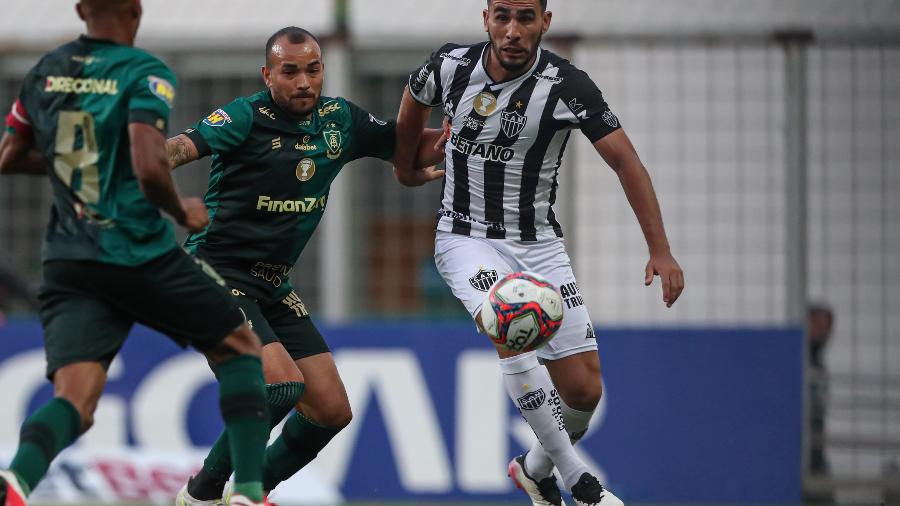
264, 71
80, 11
548, 16
485, 14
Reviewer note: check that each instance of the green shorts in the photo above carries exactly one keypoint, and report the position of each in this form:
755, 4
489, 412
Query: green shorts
283, 321
87, 308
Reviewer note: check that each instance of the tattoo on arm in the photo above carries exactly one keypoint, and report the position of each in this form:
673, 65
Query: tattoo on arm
180, 150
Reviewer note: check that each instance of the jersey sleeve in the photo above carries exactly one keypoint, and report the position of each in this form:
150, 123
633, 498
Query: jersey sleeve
224, 130
373, 137
424, 83
587, 108
18, 122
152, 95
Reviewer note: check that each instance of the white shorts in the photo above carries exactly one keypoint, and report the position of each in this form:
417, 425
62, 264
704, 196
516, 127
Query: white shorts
470, 265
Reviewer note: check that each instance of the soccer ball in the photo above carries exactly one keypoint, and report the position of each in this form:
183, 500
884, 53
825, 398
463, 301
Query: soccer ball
522, 312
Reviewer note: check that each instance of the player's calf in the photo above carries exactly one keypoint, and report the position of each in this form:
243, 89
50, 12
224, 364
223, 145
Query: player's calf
242, 400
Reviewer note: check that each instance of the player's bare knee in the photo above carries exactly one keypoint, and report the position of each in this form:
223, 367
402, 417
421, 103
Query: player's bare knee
335, 415
342, 416
338, 417
583, 396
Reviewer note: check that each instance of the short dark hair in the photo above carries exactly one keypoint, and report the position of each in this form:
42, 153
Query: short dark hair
543, 4
295, 35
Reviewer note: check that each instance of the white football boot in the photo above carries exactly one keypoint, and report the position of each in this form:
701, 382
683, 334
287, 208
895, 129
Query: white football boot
14, 495
542, 492
239, 500
184, 499
589, 492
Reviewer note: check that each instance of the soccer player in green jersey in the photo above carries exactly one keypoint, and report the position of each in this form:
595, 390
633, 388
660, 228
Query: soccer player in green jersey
274, 157
92, 115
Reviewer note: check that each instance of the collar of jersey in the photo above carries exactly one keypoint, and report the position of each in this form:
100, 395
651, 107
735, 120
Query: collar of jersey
92, 40
313, 118
502, 84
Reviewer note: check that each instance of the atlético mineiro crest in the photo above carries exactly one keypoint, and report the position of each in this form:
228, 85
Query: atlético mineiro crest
483, 280
512, 123
610, 119
532, 400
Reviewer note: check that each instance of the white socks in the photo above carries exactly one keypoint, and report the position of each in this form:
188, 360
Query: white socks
537, 462
531, 390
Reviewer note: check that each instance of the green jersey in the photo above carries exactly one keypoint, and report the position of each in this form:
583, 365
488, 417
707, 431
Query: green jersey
269, 183
80, 99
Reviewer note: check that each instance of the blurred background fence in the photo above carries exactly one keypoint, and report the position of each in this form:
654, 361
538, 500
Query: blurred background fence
770, 129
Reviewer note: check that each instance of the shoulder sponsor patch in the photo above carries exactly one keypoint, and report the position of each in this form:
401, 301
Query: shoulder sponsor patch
162, 89
217, 118
465, 62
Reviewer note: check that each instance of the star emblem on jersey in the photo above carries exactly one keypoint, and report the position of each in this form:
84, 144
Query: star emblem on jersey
485, 103
333, 141
483, 280
306, 169
512, 123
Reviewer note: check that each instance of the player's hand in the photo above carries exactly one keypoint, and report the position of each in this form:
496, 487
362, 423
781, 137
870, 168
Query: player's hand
442, 142
196, 217
669, 272
427, 175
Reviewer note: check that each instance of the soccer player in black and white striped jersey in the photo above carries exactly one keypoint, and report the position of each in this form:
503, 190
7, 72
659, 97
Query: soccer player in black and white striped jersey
512, 105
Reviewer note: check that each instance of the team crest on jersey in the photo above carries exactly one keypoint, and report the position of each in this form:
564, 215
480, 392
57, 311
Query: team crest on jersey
217, 118
512, 123
485, 103
333, 140
162, 89
483, 280
610, 119
306, 169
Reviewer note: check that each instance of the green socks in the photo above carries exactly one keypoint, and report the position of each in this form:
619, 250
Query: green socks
299, 443
242, 399
44, 434
217, 468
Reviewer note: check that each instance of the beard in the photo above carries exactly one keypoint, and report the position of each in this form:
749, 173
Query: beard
511, 66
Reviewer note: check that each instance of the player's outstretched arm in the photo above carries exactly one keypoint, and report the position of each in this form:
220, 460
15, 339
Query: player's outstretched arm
18, 155
431, 148
410, 126
619, 153
151, 167
181, 150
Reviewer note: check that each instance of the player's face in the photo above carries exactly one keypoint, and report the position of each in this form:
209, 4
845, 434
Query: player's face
295, 76
515, 28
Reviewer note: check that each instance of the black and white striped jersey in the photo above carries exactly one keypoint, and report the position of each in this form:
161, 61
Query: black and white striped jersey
508, 139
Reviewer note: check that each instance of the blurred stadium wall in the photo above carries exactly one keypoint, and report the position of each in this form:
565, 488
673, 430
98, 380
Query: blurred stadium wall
770, 129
